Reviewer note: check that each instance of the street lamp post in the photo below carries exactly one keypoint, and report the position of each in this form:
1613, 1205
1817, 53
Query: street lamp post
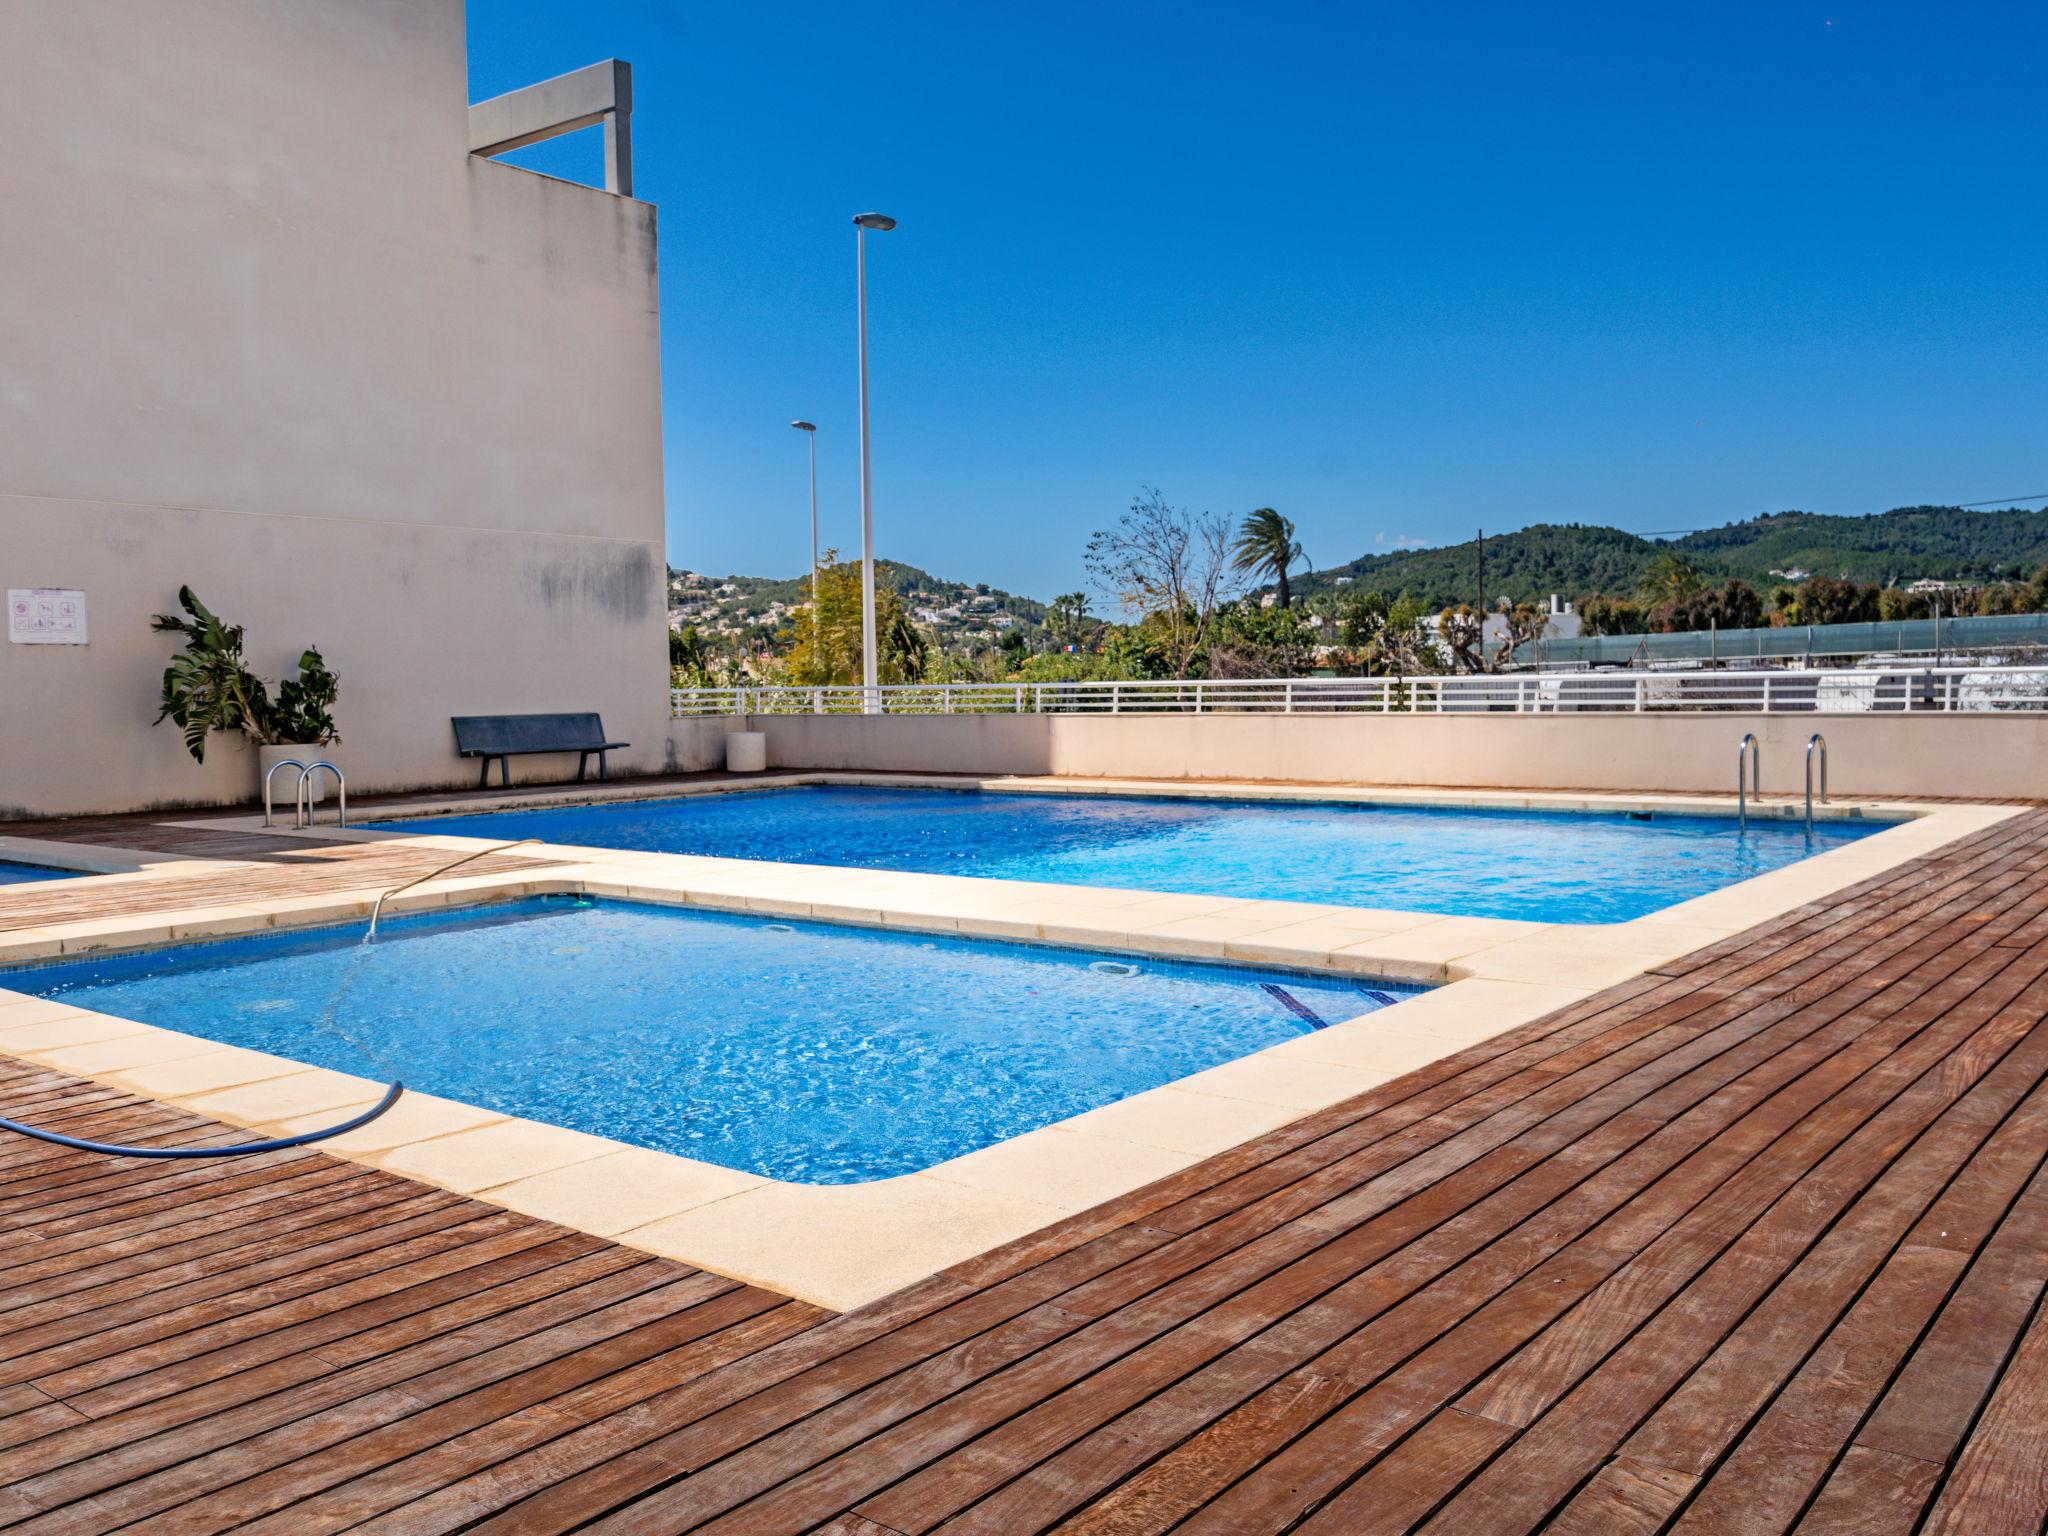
810, 432
871, 698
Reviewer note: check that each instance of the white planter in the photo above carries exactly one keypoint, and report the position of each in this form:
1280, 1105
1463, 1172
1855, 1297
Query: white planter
746, 751
285, 786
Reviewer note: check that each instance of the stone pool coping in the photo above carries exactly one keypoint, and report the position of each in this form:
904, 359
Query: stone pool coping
842, 1245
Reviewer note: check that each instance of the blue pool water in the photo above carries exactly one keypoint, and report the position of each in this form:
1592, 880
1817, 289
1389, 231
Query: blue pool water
1545, 866
802, 1051
15, 874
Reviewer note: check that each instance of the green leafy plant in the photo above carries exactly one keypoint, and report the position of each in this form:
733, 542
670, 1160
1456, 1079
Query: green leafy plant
304, 709
209, 686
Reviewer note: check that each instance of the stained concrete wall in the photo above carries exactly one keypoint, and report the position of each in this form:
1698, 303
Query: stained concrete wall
1876, 754
266, 327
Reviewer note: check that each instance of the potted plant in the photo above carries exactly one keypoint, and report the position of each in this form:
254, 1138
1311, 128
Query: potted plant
209, 687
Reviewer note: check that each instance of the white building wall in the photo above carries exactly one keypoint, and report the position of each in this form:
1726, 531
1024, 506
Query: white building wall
267, 328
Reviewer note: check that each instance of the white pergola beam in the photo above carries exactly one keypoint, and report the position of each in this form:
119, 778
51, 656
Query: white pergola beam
583, 98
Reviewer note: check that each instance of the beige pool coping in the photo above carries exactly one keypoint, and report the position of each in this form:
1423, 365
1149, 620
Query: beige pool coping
842, 1245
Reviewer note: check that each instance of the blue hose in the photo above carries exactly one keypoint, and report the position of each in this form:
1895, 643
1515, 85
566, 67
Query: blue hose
390, 1098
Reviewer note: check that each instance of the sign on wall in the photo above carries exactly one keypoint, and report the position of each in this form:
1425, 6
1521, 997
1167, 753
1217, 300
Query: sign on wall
45, 616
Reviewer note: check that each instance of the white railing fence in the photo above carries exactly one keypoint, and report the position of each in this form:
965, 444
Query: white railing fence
1858, 690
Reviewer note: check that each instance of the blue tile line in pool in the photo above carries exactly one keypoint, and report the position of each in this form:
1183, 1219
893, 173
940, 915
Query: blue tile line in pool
1296, 1006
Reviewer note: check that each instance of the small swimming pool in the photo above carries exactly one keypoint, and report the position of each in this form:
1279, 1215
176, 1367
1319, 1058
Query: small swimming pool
802, 1051
1543, 866
18, 874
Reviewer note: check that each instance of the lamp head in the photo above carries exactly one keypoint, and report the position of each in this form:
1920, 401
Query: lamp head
804, 426
874, 221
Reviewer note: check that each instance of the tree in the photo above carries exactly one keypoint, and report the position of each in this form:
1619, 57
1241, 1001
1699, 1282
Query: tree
1669, 579
905, 651
688, 658
1252, 641
2036, 598
1895, 604
1385, 639
826, 640
1600, 614
1526, 623
1732, 605
1170, 567
1266, 543
1066, 619
1826, 600
1463, 629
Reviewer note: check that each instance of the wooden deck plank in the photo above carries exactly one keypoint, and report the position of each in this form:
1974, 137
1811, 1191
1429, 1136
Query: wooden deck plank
1752, 1242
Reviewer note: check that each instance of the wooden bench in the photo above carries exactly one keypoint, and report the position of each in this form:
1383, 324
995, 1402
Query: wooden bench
505, 737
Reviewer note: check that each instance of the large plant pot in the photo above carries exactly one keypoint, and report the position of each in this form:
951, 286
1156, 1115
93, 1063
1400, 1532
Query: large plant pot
285, 786
746, 751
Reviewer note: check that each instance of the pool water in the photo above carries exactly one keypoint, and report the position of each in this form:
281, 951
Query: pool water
1543, 866
802, 1051
18, 874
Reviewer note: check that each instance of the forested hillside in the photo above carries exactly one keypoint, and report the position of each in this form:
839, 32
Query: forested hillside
1905, 545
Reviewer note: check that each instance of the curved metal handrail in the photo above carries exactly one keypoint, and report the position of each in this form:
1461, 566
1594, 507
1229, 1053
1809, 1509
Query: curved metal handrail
377, 911
283, 762
305, 793
1813, 741
114, 1149
1750, 750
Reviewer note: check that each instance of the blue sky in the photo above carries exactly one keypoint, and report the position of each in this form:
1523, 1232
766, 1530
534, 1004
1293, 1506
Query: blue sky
1397, 271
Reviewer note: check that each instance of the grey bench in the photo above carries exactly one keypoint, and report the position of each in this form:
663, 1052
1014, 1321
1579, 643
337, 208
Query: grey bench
505, 737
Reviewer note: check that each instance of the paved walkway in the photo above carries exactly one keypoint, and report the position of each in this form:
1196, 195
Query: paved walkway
1754, 1242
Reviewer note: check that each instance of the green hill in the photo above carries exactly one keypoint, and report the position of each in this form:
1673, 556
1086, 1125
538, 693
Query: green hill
1572, 559
1531, 563
1943, 543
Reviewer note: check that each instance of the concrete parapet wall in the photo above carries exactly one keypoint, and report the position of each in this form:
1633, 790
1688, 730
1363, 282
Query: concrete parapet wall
1886, 755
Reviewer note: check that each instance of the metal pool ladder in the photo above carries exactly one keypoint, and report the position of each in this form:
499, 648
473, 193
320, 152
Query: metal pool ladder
1821, 742
302, 800
1750, 752
283, 762
305, 813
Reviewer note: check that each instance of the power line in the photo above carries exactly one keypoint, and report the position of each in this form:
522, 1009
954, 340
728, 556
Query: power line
1961, 506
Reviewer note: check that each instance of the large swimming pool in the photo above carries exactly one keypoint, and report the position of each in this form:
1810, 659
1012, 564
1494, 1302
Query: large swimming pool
802, 1051
1545, 866
16, 874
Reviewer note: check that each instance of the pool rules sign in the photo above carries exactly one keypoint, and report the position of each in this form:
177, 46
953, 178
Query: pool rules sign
45, 616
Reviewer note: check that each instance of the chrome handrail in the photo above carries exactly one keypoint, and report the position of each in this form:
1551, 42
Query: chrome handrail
377, 910
1750, 750
1820, 741
305, 794
283, 762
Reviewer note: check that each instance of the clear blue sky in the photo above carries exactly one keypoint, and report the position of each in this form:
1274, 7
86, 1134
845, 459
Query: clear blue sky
1395, 270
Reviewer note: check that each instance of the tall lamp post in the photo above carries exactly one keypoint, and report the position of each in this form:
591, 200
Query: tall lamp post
810, 432
870, 697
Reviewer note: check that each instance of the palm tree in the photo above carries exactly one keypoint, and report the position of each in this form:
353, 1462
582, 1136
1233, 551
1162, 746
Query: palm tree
1066, 617
1265, 542
1670, 579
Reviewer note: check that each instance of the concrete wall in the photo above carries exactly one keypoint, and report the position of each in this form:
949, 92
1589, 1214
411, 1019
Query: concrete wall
266, 327
1903, 755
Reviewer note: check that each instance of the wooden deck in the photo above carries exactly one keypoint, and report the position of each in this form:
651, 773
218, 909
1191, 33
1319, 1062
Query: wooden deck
1756, 1242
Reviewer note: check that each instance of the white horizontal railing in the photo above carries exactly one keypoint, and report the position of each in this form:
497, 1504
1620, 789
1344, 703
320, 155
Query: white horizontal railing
1858, 690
